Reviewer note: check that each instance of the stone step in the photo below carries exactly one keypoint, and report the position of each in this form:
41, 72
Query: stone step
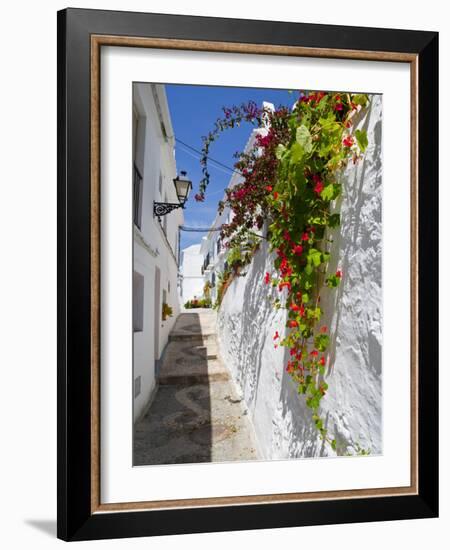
183, 336
194, 373
194, 325
182, 352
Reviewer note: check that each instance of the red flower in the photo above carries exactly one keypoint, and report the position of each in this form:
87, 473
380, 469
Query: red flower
293, 351
294, 307
267, 278
290, 367
275, 195
298, 249
287, 236
302, 310
323, 329
199, 197
269, 188
322, 361
348, 141
318, 187
293, 323
305, 237
276, 335
339, 273
314, 353
338, 107
283, 284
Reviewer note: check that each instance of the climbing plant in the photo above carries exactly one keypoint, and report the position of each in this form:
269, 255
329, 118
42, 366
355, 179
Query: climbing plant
290, 182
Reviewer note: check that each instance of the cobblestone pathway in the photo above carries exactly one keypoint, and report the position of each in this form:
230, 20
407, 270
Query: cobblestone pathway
196, 414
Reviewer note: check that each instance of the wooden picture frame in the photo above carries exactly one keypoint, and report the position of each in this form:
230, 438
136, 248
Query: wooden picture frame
81, 35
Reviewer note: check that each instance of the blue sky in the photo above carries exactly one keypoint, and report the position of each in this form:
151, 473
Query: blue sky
193, 110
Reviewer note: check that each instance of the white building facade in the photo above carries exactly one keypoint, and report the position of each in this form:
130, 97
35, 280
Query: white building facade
155, 243
192, 282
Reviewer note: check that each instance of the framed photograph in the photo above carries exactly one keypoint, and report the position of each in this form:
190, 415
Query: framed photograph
247, 286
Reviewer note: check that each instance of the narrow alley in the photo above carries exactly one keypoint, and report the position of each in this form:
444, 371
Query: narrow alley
196, 414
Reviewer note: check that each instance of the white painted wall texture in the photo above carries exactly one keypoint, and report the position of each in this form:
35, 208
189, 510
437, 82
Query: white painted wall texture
247, 322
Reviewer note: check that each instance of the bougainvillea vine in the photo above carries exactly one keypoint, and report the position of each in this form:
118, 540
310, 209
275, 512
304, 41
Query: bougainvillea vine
290, 182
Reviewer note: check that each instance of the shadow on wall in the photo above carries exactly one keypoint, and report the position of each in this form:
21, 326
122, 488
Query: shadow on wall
247, 321
352, 408
255, 317
177, 427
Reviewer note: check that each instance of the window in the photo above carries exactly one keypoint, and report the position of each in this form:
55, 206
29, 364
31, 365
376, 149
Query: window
137, 197
138, 150
138, 302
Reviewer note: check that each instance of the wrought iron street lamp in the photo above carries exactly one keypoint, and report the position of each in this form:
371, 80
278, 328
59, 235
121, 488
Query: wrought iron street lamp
183, 187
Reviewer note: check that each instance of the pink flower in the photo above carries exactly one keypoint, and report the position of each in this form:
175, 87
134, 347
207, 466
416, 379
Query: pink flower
268, 188
276, 335
199, 197
339, 273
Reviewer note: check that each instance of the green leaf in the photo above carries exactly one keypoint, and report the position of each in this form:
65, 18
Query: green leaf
361, 138
303, 137
360, 99
334, 220
296, 152
319, 423
321, 341
305, 297
315, 257
333, 444
327, 193
279, 151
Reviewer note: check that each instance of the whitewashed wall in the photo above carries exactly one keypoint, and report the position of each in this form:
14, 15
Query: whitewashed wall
191, 272
247, 321
153, 247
